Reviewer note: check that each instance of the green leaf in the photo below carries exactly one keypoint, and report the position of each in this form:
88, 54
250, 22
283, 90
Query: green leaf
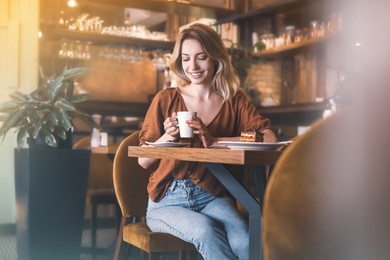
39, 93
64, 104
55, 87
53, 119
64, 119
9, 106
49, 137
34, 113
74, 73
80, 98
60, 132
37, 129
86, 118
11, 121
51, 140
69, 86
50, 126
40, 107
47, 126
21, 137
18, 96
34, 117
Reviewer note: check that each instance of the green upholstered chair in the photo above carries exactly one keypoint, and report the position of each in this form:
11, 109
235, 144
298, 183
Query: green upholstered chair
130, 181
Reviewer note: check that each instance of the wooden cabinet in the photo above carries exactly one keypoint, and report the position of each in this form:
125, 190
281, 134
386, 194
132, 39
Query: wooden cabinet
298, 71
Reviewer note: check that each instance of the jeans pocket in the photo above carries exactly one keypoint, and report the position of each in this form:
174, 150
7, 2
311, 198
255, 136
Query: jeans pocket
171, 188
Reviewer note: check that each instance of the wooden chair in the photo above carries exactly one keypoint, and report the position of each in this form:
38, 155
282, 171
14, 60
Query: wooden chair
130, 181
100, 186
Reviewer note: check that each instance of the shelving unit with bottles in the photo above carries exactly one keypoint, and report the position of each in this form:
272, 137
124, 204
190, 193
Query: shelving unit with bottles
120, 85
84, 26
63, 27
57, 24
292, 75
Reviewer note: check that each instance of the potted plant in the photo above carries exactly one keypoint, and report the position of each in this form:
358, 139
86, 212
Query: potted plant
45, 115
50, 183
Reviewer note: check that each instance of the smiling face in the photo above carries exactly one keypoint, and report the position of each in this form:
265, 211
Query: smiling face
197, 65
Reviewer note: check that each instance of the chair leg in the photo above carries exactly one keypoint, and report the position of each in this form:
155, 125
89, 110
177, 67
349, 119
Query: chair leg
121, 248
93, 226
118, 216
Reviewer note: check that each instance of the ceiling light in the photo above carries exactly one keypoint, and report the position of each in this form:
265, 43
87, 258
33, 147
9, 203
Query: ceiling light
72, 3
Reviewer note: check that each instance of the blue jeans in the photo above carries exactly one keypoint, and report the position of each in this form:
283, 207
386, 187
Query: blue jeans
212, 224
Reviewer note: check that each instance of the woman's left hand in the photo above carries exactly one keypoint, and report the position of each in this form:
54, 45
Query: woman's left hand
269, 136
200, 129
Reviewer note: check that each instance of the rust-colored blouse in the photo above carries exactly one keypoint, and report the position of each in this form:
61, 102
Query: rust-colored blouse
236, 114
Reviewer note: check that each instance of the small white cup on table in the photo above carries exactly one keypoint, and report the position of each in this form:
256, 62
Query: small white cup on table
95, 135
185, 130
103, 139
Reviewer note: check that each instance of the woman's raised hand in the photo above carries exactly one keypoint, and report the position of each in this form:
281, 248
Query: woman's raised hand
171, 126
200, 129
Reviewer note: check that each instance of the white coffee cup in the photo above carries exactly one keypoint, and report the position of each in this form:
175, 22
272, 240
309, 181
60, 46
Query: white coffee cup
185, 130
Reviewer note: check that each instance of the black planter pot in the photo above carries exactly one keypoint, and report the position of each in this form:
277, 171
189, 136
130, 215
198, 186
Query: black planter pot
50, 186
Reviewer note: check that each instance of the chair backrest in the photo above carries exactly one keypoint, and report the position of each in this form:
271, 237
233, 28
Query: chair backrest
130, 180
303, 195
100, 166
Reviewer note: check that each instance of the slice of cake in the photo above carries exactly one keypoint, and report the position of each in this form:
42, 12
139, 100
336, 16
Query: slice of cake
251, 136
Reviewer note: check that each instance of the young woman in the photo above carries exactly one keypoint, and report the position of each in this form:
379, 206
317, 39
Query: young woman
185, 199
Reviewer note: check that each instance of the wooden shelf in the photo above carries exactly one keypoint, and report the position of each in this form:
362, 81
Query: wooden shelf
104, 39
266, 9
123, 125
168, 6
288, 49
110, 108
294, 114
293, 108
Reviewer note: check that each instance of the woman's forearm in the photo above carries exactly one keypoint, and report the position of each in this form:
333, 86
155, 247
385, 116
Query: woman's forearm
146, 162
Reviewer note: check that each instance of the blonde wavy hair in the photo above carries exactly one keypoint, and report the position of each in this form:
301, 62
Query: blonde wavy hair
225, 81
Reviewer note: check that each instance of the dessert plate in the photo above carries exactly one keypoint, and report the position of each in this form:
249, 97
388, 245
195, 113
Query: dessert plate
254, 146
166, 144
